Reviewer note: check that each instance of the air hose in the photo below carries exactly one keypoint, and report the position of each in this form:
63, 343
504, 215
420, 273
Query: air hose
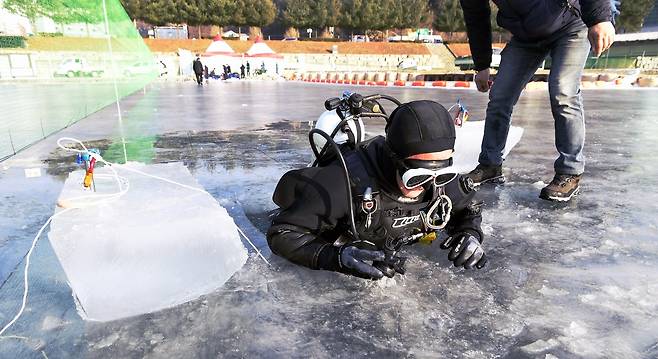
334, 145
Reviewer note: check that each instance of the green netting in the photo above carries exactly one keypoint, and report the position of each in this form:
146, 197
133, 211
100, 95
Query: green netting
61, 61
605, 62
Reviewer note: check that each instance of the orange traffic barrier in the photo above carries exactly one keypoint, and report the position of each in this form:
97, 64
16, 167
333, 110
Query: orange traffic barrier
382, 83
418, 83
362, 82
399, 83
462, 84
439, 84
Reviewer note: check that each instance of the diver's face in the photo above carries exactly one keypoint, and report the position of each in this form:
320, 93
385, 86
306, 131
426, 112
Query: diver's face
411, 191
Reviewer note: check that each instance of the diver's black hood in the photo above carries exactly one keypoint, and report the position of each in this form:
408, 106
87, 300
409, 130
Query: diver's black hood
420, 127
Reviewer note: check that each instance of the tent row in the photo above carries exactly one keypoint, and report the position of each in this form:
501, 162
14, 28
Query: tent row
259, 56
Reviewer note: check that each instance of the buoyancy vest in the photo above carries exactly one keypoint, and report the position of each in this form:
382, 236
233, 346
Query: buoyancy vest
386, 220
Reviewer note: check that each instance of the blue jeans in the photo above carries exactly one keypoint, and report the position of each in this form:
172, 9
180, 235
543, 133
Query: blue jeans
569, 49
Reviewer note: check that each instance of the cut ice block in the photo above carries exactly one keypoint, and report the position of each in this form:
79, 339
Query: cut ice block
468, 143
157, 246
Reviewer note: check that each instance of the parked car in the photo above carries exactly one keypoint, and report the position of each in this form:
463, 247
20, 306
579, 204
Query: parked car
289, 39
360, 38
466, 62
140, 68
407, 64
432, 39
77, 67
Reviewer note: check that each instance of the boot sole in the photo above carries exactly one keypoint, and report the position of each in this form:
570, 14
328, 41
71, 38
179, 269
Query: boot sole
560, 199
493, 180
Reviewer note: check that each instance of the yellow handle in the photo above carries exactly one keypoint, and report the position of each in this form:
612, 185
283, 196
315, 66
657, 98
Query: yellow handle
428, 238
87, 181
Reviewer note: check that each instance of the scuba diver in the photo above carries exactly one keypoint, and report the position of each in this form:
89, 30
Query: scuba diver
365, 200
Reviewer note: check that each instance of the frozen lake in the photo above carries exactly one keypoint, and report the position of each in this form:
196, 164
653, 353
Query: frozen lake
563, 280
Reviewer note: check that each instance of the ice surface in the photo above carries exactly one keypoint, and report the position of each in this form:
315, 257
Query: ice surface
564, 280
157, 246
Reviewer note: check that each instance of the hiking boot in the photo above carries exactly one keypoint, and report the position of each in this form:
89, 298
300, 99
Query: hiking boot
485, 174
561, 188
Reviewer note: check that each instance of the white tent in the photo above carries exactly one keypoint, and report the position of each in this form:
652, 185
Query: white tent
218, 47
260, 49
262, 56
218, 54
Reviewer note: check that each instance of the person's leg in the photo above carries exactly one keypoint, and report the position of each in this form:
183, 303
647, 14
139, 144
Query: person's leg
518, 64
569, 54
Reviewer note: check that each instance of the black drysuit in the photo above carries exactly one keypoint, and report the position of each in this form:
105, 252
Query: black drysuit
314, 208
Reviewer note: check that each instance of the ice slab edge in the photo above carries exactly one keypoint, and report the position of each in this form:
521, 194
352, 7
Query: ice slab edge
158, 246
468, 142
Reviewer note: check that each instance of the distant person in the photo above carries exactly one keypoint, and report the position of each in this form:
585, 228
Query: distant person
205, 72
228, 70
562, 29
242, 68
248, 69
225, 67
197, 66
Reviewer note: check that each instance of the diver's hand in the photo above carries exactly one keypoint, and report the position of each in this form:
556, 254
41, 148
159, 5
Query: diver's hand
466, 250
355, 260
392, 264
482, 80
601, 36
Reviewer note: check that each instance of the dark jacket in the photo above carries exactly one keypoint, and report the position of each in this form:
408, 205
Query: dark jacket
527, 20
197, 66
314, 211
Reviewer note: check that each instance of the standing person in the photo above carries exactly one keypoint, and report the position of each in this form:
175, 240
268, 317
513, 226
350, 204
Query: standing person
197, 66
540, 28
248, 69
242, 71
205, 73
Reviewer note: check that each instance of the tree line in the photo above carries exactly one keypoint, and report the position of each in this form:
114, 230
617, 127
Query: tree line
360, 15
318, 14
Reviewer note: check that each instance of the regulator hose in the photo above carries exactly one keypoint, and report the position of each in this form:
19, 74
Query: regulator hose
350, 203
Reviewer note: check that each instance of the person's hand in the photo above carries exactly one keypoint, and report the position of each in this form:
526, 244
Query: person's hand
393, 264
466, 251
356, 260
601, 36
482, 80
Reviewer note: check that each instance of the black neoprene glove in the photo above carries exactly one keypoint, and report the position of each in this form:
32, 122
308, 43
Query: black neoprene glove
465, 250
356, 261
